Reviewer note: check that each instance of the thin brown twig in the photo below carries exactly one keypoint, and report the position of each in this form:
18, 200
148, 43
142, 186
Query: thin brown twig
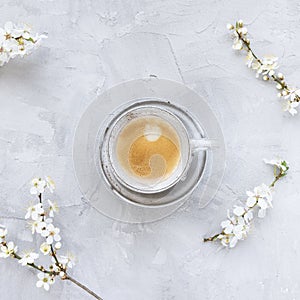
68, 277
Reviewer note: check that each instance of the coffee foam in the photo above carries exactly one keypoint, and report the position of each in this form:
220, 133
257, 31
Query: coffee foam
148, 148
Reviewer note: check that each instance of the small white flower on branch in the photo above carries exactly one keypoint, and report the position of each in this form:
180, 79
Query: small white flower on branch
57, 245
8, 249
53, 234
45, 280
267, 66
42, 229
34, 212
68, 261
291, 106
28, 258
45, 248
38, 186
281, 164
53, 208
34, 225
17, 41
50, 184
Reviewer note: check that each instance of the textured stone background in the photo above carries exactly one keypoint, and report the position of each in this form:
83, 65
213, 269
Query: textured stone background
93, 45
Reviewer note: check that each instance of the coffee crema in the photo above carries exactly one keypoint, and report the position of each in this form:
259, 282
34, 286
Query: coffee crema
148, 148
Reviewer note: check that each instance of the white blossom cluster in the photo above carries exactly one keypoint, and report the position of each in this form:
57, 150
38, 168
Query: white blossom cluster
41, 222
265, 68
17, 41
237, 225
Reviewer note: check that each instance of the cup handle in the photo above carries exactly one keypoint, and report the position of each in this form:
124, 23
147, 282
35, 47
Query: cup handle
203, 144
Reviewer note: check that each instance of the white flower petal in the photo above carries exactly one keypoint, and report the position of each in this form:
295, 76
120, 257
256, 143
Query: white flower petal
251, 201
262, 203
238, 210
261, 213
228, 229
233, 242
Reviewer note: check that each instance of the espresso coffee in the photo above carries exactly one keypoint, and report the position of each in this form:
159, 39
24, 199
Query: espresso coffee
148, 148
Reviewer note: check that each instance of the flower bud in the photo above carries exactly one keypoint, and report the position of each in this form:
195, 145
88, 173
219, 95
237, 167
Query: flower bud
230, 26
280, 76
265, 77
240, 23
61, 274
279, 86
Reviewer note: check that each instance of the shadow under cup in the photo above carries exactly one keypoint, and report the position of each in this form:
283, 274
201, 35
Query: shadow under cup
161, 137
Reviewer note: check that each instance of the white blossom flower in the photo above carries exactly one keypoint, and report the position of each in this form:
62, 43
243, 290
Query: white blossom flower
227, 226
249, 59
290, 106
45, 280
35, 212
238, 44
53, 234
279, 163
35, 225
295, 94
238, 210
262, 191
53, 208
262, 203
267, 66
42, 229
28, 258
45, 248
225, 239
17, 40
11, 31
57, 245
265, 192
233, 241
50, 184
38, 186
252, 199
4, 57
68, 260
228, 240
8, 250
242, 31
230, 26
248, 216
11, 46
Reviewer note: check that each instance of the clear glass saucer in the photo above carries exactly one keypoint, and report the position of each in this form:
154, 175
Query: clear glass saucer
203, 177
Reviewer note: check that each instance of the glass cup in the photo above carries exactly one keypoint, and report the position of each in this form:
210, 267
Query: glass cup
187, 147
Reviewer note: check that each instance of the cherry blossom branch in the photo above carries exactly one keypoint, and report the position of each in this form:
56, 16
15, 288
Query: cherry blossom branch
237, 226
42, 223
17, 41
265, 67
65, 277
39, 268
